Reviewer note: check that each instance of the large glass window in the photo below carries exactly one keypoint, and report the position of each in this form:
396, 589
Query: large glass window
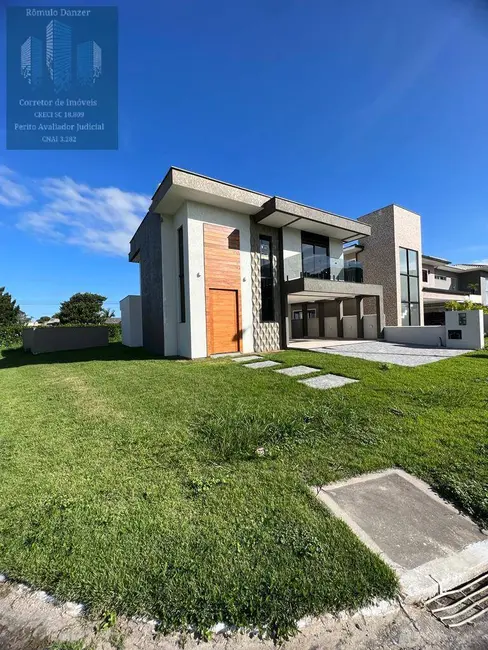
315, 256
409, 286
181, 277
267, 294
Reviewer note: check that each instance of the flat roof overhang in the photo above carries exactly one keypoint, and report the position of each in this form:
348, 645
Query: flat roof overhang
445, 292
431, 296
278, 213
429, 259
313, 289
179, 186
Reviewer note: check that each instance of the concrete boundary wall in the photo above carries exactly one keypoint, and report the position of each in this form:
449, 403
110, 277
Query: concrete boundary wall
131, 313
57, 339
431, 335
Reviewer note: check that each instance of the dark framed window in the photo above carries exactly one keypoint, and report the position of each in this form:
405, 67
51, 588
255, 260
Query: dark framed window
409, 286
267, 293
181, 275
425, 275
315, 256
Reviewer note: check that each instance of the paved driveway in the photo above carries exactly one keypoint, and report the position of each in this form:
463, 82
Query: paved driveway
399, 353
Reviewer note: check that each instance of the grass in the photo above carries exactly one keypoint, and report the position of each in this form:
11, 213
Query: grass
132, 484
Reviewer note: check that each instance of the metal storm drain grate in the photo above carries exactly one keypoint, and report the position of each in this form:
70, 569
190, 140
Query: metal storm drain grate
462, 605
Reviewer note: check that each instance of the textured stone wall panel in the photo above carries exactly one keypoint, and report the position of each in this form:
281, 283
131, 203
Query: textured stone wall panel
266, 335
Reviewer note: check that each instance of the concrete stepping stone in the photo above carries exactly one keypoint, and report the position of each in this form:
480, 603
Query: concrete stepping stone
262, 364
296, 371
323, 382
245, 359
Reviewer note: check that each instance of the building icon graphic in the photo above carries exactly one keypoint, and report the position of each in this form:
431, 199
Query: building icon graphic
89, 63
58, 54
31, 62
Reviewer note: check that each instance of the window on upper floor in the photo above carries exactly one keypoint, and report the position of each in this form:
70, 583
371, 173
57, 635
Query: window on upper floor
315, 256
409, 286
267, 293
425, 275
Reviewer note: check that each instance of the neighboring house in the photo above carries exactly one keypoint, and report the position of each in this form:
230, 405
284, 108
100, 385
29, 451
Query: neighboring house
443, 282
390, 256
415, 286
224, 269
113, 320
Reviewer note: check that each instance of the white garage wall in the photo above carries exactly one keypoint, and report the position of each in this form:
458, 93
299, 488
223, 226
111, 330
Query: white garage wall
350, 327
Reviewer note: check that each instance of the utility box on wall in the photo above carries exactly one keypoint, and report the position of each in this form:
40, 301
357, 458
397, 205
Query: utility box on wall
131, 313
465, 329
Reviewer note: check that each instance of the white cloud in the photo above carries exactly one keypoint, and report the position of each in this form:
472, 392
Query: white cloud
12, 193
101, 219
484, 262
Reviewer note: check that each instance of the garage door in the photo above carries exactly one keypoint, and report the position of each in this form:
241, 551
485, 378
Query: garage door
223, 327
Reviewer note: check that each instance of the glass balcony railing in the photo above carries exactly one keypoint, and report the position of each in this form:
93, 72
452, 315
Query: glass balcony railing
323, 267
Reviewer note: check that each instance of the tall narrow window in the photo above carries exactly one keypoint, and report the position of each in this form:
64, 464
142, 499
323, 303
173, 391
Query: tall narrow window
409, 286
267, 294
181, 276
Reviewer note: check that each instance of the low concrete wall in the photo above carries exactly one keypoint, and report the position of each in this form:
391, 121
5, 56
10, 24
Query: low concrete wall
430, 335
464, 329
27, 338
56, 339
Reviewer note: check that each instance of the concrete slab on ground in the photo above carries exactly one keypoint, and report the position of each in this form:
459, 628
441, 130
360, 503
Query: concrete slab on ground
310, 343
296, 371
252, 357
425, 539
324, 382
396, 353
262, 364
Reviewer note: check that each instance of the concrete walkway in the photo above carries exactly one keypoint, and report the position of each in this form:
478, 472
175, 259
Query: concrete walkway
396, 353
320, 382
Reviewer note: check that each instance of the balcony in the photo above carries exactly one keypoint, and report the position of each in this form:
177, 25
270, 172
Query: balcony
323, 267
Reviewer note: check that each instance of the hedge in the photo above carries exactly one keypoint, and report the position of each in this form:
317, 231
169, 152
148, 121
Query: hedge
11, 335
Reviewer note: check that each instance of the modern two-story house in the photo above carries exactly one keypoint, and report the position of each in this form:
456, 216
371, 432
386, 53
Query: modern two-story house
224, 269
444, 282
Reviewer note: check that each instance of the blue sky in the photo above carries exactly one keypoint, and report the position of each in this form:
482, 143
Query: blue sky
347, 106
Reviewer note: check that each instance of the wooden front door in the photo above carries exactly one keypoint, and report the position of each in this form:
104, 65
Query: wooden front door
223, 323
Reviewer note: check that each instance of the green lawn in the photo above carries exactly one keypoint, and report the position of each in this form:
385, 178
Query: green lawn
132, 484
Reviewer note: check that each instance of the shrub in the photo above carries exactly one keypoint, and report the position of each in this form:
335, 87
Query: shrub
11, 336
114, 332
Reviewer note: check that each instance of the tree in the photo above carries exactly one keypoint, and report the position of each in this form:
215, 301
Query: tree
22, 318
43, 319
108, 313
467, 305
9, 310
82, 309
474, 287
